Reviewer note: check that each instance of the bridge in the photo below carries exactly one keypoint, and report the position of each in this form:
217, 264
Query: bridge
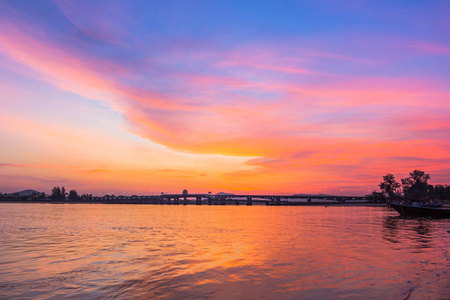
224, 199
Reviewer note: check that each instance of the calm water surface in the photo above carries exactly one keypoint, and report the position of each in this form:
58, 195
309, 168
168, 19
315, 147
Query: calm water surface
95, 251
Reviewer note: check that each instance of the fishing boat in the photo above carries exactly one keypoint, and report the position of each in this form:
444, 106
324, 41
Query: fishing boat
420, 210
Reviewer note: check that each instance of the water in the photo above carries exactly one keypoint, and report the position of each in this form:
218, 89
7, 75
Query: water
96, 251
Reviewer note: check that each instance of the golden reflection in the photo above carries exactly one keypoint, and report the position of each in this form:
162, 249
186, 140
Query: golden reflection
142, 251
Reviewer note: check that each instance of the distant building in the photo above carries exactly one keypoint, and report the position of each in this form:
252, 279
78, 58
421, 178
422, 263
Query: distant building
185, 192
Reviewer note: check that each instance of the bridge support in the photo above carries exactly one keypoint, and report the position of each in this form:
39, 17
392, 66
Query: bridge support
221, 199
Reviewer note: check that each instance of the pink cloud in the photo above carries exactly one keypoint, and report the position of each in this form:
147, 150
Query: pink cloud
427, 48
8, 165
248, 105
347, 58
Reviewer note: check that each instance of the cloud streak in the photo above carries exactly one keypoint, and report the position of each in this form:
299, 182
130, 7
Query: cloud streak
275, 100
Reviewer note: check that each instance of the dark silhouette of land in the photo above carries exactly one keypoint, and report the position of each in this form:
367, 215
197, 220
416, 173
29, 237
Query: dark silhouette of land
58, 195
414, 187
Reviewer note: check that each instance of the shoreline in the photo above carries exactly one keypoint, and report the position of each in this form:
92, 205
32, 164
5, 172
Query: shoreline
204, 204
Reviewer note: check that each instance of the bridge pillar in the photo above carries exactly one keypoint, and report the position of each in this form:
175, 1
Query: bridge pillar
223, 200
249, 201
198, 200
237, 202
176, 200
209, 201
278, 200
185, 200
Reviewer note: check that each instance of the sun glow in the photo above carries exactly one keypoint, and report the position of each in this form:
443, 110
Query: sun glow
106, 107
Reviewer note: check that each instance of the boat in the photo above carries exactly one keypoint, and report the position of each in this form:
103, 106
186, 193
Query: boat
420, 210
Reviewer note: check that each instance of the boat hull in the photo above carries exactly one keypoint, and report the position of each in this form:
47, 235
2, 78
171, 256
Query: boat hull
420, 211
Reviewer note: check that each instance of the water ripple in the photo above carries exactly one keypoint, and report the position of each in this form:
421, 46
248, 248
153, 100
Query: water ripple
188, 252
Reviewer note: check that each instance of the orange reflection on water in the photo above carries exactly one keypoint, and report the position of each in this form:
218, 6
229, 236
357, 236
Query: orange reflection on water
143, 251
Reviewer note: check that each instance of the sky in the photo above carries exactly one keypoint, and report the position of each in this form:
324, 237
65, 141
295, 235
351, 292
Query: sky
144, 97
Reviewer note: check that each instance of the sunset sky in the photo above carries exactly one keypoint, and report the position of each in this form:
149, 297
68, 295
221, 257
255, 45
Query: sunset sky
144, 97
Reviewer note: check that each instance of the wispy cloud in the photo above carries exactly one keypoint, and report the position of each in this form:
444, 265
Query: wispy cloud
5, 165
295, 106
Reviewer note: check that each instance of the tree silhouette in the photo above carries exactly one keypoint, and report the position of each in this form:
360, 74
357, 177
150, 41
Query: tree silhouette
389, 186
58, 193
73, 195
442, 191
376, 197
415, 187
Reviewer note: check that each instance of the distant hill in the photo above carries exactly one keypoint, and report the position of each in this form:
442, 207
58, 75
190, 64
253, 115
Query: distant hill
27, 193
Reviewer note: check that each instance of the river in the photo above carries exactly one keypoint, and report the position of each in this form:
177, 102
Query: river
103, 251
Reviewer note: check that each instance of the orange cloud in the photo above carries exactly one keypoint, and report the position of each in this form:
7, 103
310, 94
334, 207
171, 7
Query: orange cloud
291, 120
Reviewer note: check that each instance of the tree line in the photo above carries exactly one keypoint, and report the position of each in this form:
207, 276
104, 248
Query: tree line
60, 194
414, 187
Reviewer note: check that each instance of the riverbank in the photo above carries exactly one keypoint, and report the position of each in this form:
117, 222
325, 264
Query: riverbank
363, 204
